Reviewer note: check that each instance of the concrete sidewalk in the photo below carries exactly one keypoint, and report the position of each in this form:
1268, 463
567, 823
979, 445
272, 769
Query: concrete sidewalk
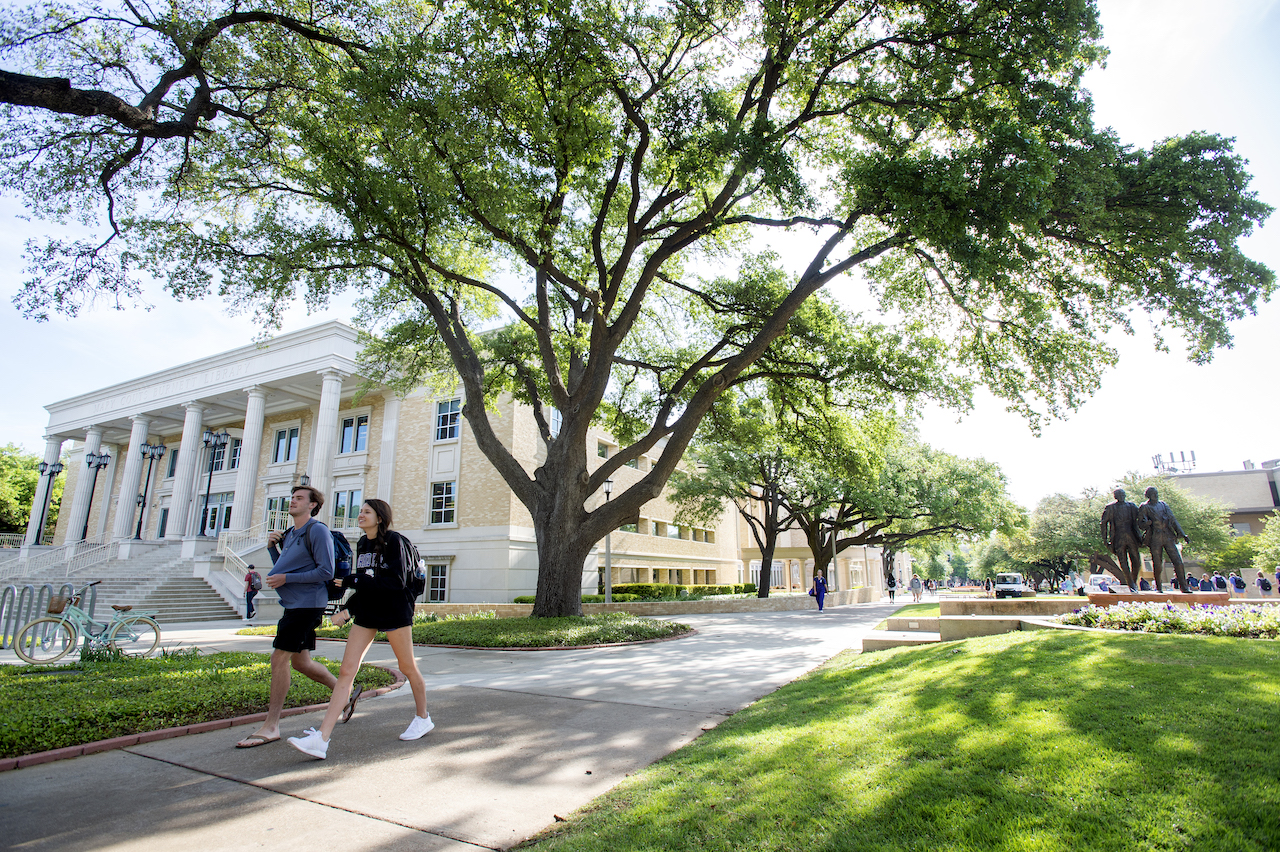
521, 737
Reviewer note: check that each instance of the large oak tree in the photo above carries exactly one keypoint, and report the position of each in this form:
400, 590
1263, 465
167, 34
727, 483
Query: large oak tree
528, 193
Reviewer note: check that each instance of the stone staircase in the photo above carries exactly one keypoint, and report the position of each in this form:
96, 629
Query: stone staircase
964, 619
158, 580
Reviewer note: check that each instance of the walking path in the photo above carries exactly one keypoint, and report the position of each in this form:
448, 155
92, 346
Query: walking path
521, 737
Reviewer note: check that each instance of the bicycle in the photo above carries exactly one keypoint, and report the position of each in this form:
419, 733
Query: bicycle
51, 637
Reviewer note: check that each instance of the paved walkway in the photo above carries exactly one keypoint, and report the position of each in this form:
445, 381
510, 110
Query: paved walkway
521, 736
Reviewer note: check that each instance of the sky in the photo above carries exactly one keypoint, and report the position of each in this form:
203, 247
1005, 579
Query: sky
1176, 66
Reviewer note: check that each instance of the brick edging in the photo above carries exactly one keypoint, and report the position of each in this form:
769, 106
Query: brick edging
181, 731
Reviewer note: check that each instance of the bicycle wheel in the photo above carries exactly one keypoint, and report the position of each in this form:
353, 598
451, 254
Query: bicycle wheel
137, 637
44, 640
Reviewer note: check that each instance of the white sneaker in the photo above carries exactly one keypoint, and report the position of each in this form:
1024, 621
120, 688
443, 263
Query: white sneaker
418, 728
312, 743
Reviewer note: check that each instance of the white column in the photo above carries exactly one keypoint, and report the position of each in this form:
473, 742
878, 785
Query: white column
108, 488
132, 478
387, 453
325, 443
84, 485
40, 500
250, 448
184, 477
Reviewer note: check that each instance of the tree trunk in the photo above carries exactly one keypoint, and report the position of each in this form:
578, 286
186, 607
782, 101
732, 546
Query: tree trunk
766, 564
561, 558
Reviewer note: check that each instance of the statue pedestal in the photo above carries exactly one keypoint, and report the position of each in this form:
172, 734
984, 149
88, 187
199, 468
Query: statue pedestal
1176, 598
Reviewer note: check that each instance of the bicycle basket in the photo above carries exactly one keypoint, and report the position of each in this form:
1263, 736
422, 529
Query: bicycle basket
58, 603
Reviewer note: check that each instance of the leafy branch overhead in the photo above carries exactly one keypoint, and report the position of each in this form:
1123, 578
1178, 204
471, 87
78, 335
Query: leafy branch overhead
574, 203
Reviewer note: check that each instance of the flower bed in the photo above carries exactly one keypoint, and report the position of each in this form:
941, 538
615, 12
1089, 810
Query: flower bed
1239, 620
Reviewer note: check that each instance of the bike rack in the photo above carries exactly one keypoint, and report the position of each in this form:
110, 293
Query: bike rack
18, 606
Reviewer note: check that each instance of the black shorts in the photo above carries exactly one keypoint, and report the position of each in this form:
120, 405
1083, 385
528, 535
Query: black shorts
296, 631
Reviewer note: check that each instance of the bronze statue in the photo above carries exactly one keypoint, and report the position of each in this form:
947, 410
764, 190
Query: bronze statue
1120, 535
1160, 531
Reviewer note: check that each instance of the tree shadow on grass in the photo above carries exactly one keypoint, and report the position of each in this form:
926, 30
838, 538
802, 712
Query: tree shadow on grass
1025, 741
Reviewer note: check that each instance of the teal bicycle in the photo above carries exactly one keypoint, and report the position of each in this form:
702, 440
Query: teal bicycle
51, 637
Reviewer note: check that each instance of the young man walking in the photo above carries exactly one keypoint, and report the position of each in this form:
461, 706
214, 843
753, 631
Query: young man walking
302, 562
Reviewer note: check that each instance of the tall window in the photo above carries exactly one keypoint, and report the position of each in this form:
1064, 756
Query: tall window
219, 456
557, 421
355, 434
443, 507
278, 513
602, 449
235, 454
346, 505
173, 463
286, 446
437, 576
447, 419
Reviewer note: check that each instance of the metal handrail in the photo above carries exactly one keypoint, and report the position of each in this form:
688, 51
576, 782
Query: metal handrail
93, 556
11, 540
56, 556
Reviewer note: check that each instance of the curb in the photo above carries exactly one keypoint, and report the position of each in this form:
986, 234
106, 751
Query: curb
127, 740
690, 632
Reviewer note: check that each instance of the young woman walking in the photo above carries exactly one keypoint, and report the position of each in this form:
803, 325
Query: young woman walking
381, 603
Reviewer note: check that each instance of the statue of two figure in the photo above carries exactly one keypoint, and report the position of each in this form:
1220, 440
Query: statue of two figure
1126, 526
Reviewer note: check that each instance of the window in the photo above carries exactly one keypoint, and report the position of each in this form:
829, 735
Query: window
1241, 529
673, 530
557, 420
286, 449
235, 454
278, 513
447, 419
656, 529
164, 522
219, 456
346, 505
173, 463
355, 434
437, 591
443, 506
602, 449
628, 528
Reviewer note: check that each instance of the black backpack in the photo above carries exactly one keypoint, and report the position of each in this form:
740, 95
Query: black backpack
1265, 584
415, 570
1220, 581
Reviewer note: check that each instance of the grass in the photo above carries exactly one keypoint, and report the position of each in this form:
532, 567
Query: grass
1022, 742
921, 610
48, 707
485, 631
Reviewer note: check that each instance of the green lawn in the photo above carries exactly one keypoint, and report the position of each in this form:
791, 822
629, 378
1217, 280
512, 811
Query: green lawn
1028, 741
489, 632
48, 707
922, 610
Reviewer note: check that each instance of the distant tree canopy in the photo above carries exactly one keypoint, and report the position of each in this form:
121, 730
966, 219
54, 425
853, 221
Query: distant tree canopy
19, 476
1267, 557
559, 202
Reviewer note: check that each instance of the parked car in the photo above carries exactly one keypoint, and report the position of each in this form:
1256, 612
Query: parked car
1101, 583
1011, 586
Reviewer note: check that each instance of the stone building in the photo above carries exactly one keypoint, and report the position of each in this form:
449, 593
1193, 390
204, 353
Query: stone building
291, 407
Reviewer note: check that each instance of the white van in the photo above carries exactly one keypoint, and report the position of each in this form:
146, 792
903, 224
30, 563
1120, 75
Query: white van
1010, 586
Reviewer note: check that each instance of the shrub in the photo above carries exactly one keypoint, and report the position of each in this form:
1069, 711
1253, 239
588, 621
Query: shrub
1240, 620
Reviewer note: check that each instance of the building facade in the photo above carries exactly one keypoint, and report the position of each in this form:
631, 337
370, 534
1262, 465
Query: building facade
296, 406
1251, 493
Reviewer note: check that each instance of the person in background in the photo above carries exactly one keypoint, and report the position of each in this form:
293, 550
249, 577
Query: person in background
891, 586
1264, 585
1206, 583
819, 588
252, 583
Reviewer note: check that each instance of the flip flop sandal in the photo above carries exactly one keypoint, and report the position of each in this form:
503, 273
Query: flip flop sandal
350, 706
248, 742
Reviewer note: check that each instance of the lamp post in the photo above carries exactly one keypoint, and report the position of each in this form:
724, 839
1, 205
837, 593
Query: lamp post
151, 452
608, 551
213, 441
50, 470
96, 462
